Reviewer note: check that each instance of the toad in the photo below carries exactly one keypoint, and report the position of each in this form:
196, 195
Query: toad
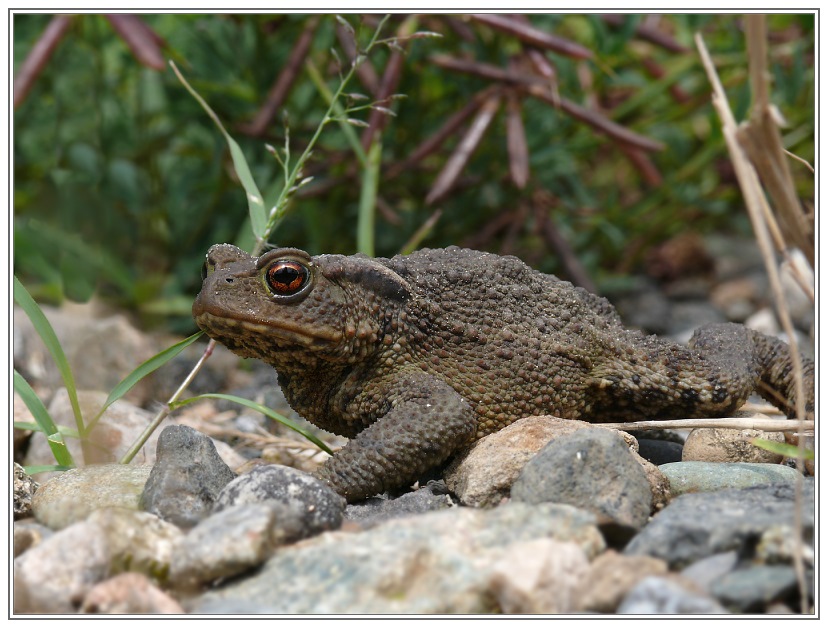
415, 357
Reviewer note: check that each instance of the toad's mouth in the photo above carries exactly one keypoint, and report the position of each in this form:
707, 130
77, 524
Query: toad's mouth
275, 334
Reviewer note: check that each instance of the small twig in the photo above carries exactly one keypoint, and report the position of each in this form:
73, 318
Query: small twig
729, 423
532, 35
162, 414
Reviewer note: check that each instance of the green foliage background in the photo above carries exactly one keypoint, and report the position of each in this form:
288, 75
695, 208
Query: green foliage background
121, 182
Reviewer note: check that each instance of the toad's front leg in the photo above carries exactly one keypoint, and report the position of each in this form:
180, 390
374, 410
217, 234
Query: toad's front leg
427, 421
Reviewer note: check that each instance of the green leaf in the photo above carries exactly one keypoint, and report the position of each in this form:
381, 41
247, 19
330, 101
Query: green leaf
47, 334
783, 449
255, 200
259, 408
45, 423
144, 369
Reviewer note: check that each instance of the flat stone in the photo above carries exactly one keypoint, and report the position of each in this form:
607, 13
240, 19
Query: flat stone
727, 445
696, 477
72, 495
698, 525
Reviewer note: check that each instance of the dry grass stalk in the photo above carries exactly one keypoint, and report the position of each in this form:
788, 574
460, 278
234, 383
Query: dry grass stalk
728, 423
758, 211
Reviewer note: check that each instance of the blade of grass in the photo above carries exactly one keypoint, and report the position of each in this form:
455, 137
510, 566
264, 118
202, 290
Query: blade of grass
783, 449
144, 369
44, 421
368, 198
47, 334
255, 200
258, 408
64, 431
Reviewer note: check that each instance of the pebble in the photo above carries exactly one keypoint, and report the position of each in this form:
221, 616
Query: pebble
27, 533
483, 476
540, 576
657, 595
375, 510
730, 445
611, 577
186, 478
703, 572
23, 488
129, 594
71, 496
696, 477
224, 545
55, 575
697, 525
304, 505
752, 589
573, 470
438, 562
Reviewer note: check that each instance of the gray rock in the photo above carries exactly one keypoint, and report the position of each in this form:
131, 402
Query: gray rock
753, 589
703, 572
56, 574
540, 576
72, 495
377, 509
484, 475
438, 562
697, 477
591, 469
697, 525
663, 596
23, 488
224, 544
186, 478
305, 505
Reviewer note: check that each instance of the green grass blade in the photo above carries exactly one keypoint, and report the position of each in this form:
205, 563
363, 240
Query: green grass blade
47, 334
259, 408
783, 449
368, 200
64, 431
255, 200
44, 422
144, 369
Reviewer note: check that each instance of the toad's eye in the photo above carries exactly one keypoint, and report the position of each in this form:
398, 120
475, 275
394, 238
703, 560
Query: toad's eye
286, 277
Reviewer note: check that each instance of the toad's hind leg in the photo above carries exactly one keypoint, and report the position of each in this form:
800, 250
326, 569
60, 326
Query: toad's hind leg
764, 363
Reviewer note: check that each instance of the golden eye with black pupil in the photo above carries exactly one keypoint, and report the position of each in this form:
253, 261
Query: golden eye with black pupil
286, 277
